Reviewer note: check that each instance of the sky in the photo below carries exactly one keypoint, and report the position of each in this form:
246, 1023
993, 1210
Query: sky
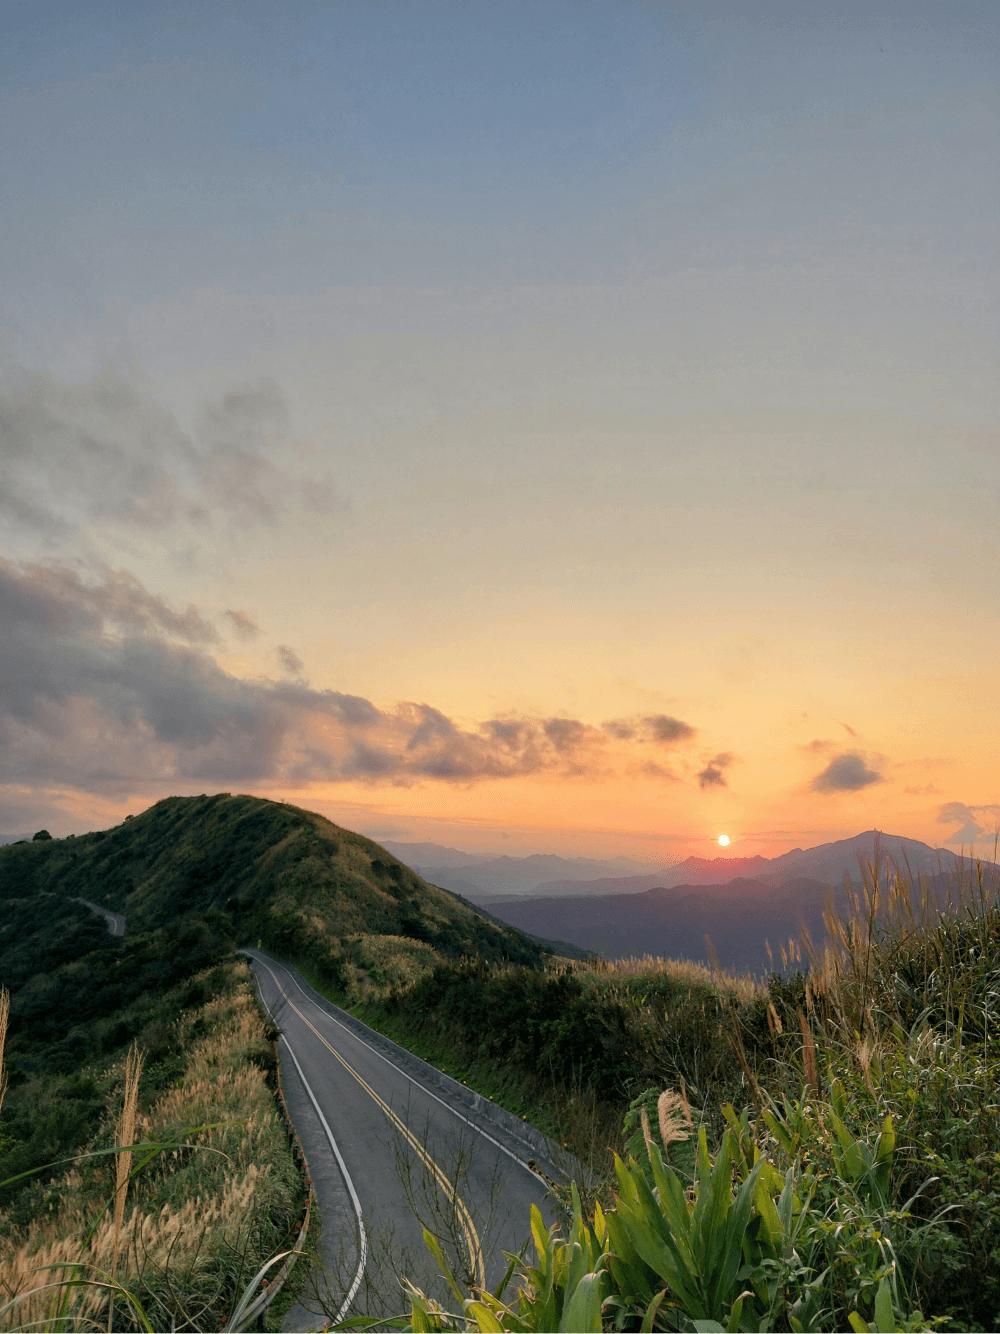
563, 427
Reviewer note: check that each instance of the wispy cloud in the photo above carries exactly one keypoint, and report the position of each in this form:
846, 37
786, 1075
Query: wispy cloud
107, 450
242, 624
291, 663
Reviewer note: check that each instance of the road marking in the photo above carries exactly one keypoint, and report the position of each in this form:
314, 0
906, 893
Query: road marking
447, 1188
417, 1084
363, 1235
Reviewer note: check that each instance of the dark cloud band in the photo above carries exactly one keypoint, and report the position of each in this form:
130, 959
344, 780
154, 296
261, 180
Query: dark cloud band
106, 684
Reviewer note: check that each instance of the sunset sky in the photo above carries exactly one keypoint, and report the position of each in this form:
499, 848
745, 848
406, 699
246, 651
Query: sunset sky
562, 427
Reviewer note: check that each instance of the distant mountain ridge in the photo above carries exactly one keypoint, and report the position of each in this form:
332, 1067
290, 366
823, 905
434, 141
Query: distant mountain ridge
829, 863
484, 877
741, 914
742, 917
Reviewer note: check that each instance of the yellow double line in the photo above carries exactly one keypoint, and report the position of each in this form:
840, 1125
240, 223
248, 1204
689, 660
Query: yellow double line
447, 1188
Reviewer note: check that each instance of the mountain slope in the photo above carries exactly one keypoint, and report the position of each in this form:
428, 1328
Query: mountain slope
741, 917
194, 878
273, 872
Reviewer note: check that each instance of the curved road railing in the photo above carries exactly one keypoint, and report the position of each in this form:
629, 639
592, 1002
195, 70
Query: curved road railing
115, 921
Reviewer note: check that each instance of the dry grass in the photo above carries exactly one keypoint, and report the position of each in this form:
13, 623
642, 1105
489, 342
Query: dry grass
202, 1217
125, 1135
4, 1017
681, 972
386, 964
899, 926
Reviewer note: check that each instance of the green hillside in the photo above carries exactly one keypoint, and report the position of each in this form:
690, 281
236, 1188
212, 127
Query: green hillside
260, 870
195, 878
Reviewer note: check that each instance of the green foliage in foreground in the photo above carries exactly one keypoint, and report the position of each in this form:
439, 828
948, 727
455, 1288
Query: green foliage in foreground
858, 1191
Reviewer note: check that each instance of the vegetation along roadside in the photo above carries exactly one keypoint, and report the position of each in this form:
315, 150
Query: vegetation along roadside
819, 1152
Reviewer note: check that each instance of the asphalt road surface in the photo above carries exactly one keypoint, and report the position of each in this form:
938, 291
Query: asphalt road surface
115, 921
394, 1145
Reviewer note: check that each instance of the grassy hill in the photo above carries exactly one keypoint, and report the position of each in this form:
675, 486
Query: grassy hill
195, 877
257, 870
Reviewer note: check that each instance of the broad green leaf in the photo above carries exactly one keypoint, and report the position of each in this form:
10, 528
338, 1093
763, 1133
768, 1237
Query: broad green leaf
673, 1202
780, 1132
543, 1243
582, 1313
853, 1160
664, 1258
733, 1323
600, 1227
885, 1317
576, 1268
767, 1212
887, 1140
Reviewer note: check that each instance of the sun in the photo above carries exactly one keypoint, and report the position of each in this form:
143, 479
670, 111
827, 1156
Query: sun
723, 840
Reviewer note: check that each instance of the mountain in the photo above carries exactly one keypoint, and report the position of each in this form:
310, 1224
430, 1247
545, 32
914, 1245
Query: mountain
266, 871
832, 861
829, 862
429, 854
195, 878
741, 917
516, 875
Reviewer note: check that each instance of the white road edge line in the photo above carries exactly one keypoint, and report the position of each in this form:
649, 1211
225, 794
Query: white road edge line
340, 1162
415, 1082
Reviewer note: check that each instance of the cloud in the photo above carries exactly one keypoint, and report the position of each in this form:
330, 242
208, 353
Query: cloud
712, 775
957, 812
290, 661
669, 730
657, 728
107, 450
846, 773
564, 733
620, 728
108, 688
849, 730
818, 747
242, 624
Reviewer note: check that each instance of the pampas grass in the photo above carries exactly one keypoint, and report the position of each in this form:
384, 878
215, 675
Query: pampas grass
191, 1229
4, 1017
126, 1135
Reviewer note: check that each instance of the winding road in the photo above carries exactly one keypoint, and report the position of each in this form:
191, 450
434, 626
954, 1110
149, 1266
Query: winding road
393, 1145
115, 921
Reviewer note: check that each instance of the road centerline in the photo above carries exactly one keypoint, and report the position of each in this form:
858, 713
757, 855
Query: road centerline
444, 1184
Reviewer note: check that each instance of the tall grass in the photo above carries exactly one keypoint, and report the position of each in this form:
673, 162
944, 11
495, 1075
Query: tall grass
187, 1234
855, 1189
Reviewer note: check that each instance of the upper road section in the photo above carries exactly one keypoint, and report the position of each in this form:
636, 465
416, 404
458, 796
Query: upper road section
115, 921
